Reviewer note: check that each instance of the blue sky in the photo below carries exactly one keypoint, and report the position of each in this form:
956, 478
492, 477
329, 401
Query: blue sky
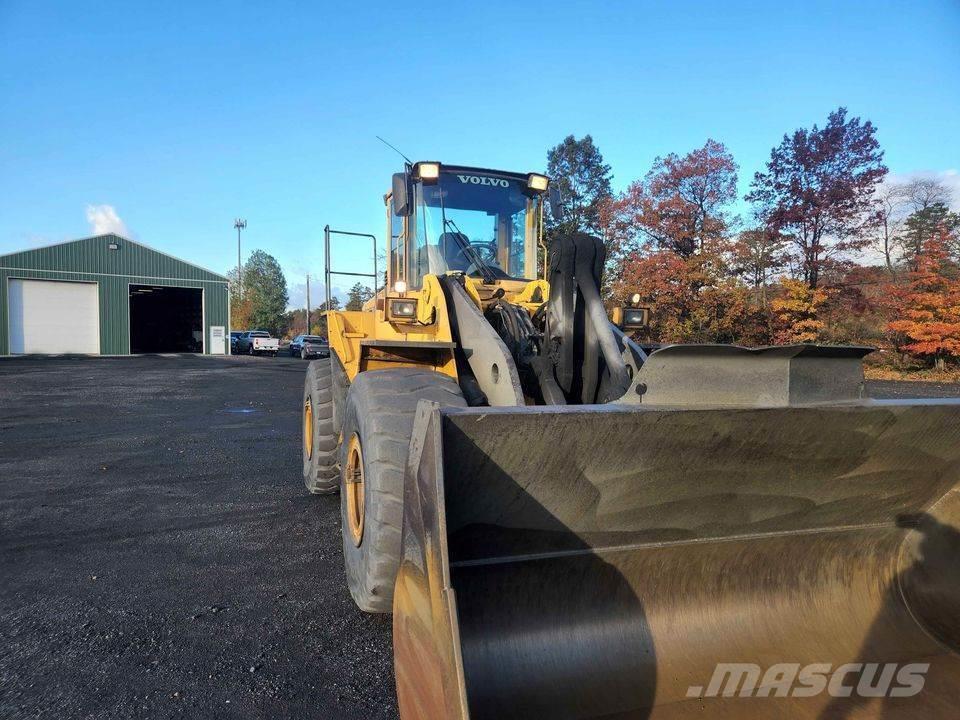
167, 120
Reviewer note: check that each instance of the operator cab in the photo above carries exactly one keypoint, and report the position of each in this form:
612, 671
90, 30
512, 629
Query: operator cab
484, 223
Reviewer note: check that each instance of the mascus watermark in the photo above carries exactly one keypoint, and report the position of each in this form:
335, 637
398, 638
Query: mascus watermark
867, 680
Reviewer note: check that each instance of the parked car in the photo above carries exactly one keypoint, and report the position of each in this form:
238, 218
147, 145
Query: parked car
234, 335
257, 342
308, 346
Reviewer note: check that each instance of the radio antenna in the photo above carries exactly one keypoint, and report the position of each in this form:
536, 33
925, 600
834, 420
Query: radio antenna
409, 161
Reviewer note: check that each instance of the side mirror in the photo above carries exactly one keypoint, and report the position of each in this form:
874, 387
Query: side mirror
553, 195
402, 194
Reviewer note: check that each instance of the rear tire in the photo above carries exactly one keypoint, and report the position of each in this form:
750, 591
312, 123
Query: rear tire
321, 443
377, 425
303, 354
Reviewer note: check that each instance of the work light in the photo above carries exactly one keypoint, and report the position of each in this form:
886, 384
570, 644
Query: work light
427, 171
403, 309
635, 317
537, 182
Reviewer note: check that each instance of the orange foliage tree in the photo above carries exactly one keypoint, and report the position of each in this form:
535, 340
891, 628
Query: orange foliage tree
693, 299
797, 311
241, 312
929, 309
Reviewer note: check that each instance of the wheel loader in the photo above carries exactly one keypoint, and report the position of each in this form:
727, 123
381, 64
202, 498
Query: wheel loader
565, 526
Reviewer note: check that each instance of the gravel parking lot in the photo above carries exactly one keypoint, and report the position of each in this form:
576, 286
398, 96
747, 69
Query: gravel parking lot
159, 555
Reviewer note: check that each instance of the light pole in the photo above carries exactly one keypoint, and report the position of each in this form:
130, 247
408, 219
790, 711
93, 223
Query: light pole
239, 224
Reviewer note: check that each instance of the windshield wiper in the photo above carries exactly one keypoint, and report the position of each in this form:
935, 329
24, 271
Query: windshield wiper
467, 247
469, 250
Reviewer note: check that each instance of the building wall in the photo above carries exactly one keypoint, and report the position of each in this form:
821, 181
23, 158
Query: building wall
114, 271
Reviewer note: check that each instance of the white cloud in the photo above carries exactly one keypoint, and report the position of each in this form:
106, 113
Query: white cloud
103, 219
951, 178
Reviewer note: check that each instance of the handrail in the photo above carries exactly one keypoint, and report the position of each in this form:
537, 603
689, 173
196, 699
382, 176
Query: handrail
327, 272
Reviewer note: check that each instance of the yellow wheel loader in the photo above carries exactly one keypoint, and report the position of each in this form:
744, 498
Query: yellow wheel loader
565, 526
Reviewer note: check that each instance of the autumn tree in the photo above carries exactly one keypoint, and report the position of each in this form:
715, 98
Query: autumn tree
265, 290
884, 221
357, 296
797, 311
929, 318
318, 316
681, 204
923, 192
693, 299
295, 322
240, 313
818, 186
757, 255
933, 221
583, 178
668, 235
239, 310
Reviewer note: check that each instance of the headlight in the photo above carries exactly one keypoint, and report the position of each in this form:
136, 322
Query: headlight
403, 309
400, 287
635, 299
537, 182
427, 170
635, 317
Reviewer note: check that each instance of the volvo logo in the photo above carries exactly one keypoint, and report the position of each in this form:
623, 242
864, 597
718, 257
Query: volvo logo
481, 180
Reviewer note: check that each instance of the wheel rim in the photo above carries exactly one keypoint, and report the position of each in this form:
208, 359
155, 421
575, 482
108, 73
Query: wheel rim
353, 489
308, 429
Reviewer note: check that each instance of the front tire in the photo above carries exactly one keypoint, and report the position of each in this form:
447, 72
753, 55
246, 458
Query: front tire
321, 443
303, 354
377, 426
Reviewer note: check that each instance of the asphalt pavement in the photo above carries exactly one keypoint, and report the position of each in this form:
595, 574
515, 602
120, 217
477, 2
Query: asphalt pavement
159, 556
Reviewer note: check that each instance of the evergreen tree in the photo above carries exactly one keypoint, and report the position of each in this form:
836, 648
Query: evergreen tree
357, 296
265, 289
577, 168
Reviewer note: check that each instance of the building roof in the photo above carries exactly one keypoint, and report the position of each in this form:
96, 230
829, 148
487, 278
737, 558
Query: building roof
95, 256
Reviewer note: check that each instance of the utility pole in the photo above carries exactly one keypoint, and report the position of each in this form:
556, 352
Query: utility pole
308, 304
239, 224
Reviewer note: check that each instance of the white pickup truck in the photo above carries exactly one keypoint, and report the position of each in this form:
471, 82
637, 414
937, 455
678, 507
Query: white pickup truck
257, 342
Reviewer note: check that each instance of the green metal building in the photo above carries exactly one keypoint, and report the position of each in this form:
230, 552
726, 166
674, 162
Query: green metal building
107, 295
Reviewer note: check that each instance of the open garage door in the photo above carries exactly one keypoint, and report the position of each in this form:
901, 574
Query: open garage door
52, 316
166, 319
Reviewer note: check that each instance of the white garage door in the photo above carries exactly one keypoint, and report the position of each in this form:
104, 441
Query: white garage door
54, 317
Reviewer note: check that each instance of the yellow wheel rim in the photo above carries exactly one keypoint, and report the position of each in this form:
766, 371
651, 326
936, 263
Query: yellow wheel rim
308, 429
353, 489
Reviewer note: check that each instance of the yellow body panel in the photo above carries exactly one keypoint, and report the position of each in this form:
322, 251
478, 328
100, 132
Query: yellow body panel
352, 334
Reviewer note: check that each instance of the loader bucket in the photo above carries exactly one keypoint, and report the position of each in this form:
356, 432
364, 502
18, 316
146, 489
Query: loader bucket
655, 562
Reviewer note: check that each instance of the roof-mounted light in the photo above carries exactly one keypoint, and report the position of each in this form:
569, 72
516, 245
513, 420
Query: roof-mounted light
537, 182
427, 171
